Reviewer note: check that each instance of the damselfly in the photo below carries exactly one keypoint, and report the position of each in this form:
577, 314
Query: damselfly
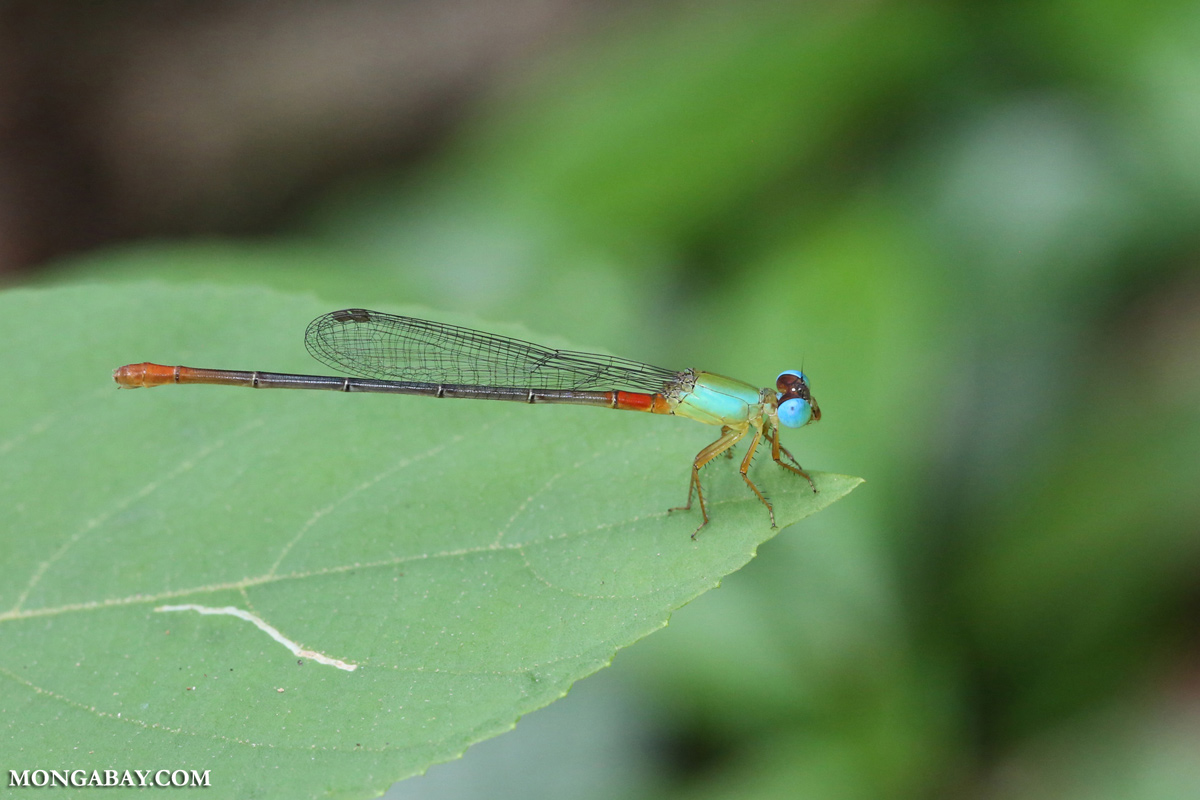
402, 355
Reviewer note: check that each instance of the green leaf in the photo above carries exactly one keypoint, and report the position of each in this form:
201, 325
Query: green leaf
470, 560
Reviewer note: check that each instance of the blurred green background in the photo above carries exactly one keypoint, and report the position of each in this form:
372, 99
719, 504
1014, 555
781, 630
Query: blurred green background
976, 226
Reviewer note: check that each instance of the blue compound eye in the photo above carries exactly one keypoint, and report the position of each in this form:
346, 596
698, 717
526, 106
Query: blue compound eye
794, 413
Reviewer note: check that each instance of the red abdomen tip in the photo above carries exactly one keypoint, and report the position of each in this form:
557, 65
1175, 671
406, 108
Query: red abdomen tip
136, 376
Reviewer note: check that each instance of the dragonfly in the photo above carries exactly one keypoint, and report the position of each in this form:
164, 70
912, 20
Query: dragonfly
380, 352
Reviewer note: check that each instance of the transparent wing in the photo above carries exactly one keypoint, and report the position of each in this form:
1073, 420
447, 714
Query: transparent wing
369, 344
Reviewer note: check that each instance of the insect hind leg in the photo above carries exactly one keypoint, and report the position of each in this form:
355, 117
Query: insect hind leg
728, 438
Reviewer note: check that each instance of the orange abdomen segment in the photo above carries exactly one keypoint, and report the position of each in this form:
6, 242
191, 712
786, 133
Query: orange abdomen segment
137, 376
637, 401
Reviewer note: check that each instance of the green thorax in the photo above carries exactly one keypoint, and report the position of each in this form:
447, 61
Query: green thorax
714, 399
